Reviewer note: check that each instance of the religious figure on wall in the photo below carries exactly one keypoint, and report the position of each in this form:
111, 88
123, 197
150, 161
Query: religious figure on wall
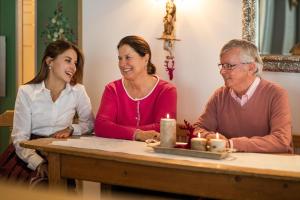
169, 20
168, 36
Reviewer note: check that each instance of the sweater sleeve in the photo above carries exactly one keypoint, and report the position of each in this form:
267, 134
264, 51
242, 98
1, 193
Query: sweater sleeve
279, 138
105, 122
166, 104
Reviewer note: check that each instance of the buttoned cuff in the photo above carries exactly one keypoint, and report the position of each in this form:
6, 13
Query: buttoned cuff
34, 161
77, 129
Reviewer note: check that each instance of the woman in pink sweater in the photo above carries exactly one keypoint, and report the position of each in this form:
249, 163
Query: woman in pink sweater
131, 107
252, 114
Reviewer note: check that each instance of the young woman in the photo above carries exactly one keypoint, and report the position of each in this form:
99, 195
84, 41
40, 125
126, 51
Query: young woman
45, 107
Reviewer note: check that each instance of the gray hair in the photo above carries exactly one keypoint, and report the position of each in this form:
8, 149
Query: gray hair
249, 52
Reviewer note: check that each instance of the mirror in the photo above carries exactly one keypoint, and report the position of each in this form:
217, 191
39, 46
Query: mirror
272, 62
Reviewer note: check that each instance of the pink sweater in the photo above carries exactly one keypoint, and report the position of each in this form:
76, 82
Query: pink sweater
263, 124
119, 115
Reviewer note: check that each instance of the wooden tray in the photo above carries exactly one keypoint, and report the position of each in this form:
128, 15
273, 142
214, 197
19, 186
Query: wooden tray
192, 153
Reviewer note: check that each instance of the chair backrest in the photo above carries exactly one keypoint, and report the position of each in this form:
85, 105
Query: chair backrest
7, 119
296, 142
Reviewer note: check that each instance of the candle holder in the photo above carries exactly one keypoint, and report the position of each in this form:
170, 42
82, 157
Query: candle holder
198, 143
217, 144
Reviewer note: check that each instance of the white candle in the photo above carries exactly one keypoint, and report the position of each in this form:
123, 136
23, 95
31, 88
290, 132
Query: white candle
217, 144
167, 132
198, 143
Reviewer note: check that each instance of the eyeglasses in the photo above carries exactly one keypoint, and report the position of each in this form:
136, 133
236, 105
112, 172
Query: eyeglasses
229, 67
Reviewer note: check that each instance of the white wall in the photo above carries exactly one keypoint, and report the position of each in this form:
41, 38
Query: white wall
203, 27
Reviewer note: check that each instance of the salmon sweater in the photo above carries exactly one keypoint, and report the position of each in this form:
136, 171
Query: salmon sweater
119, 115
263, 124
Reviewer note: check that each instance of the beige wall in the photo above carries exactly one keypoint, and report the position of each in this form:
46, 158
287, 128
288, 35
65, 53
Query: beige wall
202, 26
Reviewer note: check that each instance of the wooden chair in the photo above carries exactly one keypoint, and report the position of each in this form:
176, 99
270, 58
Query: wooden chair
296, 142
6, 120
181, 134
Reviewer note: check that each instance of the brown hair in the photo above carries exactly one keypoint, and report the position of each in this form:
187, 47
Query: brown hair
141, 47
249, 50
53, 50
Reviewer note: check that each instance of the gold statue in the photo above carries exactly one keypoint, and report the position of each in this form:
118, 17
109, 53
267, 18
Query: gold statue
169, 37
169, 20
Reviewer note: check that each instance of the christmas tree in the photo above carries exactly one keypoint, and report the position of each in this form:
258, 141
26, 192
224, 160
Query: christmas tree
58, 27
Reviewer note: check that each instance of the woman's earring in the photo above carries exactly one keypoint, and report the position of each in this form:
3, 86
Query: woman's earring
49, 67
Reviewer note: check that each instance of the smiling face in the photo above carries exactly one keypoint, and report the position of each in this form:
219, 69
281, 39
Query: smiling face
131, 64
242, 75
63, 67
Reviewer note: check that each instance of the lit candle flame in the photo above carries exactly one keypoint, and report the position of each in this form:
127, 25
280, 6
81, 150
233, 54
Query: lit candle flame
199, 135
168, 116
217, 135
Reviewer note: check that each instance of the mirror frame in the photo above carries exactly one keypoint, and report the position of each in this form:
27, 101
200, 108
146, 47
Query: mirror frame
274, 63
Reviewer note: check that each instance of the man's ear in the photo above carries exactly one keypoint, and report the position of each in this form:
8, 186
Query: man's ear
252, 67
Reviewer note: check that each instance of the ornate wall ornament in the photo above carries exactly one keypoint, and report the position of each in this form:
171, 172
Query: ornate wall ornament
281, 63
249, 20
169, 38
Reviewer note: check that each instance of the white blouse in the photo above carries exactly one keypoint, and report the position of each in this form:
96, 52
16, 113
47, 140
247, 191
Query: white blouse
36, 113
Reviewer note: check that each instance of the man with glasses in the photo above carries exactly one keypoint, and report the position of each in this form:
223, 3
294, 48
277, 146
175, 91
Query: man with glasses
250, 113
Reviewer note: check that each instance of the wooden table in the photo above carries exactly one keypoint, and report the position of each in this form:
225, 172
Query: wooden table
167, 175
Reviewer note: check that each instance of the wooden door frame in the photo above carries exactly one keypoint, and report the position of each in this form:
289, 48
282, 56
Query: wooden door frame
21, 69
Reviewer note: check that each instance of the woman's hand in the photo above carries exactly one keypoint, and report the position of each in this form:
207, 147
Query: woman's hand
63, 133
144, 135
42, 170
